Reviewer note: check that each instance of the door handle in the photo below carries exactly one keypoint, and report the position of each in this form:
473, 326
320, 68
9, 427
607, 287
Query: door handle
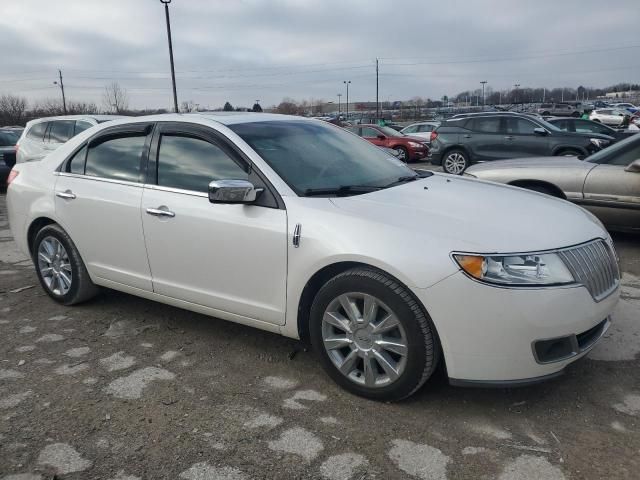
509, 137
160, 212
67, 195
467, 136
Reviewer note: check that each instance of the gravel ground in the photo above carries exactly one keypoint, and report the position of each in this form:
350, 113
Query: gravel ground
122, 388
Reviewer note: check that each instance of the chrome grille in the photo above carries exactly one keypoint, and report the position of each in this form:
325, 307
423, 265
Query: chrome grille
593, 265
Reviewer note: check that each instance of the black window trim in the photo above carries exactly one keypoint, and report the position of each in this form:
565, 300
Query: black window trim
211, 135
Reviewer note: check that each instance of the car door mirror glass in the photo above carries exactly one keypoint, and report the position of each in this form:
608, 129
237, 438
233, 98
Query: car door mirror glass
233, 191
633, 167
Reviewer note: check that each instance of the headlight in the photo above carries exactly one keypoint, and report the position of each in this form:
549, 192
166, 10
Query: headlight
516, 270
416, 145
598, 142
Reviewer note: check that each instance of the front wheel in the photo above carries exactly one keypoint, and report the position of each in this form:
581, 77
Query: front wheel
455, 162
373, 338
402, 154
60, 268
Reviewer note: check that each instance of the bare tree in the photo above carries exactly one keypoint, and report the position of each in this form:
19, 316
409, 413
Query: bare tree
115, 98
12, 109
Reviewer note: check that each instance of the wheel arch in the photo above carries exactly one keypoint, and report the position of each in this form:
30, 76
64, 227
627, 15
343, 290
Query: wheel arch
446, 151
550, 186
565, 148
35, 226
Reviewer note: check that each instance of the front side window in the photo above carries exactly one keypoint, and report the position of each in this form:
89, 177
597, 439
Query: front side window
310, 155
369, 132
191, 163
588, 127
116, 157
36, 132
520, 126
61, 131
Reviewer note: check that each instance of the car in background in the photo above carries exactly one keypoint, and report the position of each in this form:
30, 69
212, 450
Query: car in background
607, 183
8, 139
558, 110
462, 141
408, 148
44, 135
611, 116
421, 129
300, 228
585, 127
626, 106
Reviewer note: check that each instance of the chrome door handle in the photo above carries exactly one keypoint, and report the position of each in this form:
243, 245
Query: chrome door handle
67, 195
509, 137
467, 136
159, 212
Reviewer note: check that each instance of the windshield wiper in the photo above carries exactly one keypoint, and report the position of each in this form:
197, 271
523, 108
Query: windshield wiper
342, 190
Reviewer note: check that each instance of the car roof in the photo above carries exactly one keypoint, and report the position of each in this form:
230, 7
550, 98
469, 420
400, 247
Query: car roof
97, 118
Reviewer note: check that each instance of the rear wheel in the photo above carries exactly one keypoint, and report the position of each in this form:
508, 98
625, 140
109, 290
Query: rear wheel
568, 152
60, 268
546, 114
373, 338
575, 114
455, 162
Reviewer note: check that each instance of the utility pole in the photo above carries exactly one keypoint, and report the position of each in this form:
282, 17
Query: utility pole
377, 102
347, 82
339, 95
483, 82
515, 97
64, 101
173, 73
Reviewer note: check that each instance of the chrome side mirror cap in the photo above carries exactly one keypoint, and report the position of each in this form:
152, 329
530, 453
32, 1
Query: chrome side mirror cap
633, 167
233, 191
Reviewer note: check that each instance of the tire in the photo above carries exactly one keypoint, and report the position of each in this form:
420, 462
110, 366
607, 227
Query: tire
546, 114
413, 330
541, 189
455, 162
80, 288
568, 152
403, 154
575, 114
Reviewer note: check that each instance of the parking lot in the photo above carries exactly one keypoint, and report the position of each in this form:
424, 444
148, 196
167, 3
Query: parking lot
124, 388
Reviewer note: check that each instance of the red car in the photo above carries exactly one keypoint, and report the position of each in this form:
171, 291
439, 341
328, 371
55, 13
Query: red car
408, 148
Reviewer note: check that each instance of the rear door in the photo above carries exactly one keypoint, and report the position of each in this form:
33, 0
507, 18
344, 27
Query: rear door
612, 193
485, 138
97, 198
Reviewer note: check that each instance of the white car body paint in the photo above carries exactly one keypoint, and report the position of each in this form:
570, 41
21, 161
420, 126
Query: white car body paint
486, 332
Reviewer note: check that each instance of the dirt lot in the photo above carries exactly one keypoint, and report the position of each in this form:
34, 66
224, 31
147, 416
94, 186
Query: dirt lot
124, 388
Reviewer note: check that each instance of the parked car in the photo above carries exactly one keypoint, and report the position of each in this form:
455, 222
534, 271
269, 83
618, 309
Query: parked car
579, 125
8, 140
611, 116
607, 183
462, 141
298, 227
558, 109
626, 106
421, 129
408, 148
44, 135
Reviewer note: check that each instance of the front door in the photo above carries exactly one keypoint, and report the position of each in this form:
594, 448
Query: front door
97, 201
232, 258
372, 135
522, 141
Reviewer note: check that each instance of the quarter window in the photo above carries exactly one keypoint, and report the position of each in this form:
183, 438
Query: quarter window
191, 163
37, 131
61, 131
116, 157
77, 161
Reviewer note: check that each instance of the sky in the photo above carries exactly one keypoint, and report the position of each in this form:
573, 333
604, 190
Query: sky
246, 50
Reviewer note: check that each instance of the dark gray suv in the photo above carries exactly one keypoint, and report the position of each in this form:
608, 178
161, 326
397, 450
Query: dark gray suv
463, 140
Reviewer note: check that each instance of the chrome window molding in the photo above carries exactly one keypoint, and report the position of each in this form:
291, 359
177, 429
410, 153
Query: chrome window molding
100, 179
193, 193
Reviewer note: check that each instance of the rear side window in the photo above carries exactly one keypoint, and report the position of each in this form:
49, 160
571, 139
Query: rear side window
484, 125
81, 126
36, 132
368, 132
61, 131
191, 163
116, 157
411, 129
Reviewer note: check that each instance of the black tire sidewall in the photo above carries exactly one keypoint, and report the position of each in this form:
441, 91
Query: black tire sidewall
417, 355
460, 152
74, 259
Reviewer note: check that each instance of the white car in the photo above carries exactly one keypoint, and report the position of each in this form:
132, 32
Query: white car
44, 135
421, 129
299, 227
610, 116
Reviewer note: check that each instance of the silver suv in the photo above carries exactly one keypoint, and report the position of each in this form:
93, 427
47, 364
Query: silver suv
558, 110
44, 135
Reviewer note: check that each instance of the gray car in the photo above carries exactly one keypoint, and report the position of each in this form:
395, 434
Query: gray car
607, 183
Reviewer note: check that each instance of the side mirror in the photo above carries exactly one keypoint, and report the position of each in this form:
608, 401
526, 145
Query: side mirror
539, 131
381, 137
633, 167
233, 191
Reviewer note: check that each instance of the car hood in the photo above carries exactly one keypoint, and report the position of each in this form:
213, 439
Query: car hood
474, 216
535, 162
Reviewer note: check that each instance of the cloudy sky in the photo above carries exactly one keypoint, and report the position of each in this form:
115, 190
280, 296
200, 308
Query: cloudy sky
243, 50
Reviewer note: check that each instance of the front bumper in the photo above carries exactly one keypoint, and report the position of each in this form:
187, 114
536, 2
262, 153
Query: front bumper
435, 158
419, 154
488, 334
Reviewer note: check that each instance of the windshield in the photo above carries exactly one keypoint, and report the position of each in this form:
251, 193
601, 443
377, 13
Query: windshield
390, 132
316, 155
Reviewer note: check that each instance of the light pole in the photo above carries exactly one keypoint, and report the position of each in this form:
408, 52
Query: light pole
64, 102
347, 82
483, 82
339, 95
515, 86
173, 73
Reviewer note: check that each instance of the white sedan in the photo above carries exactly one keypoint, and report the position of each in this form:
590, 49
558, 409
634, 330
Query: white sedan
610, 116
299, 227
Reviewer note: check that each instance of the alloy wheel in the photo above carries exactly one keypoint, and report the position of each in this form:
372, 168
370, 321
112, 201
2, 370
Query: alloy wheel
455, 163
54, 266
364, 339
401, 154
